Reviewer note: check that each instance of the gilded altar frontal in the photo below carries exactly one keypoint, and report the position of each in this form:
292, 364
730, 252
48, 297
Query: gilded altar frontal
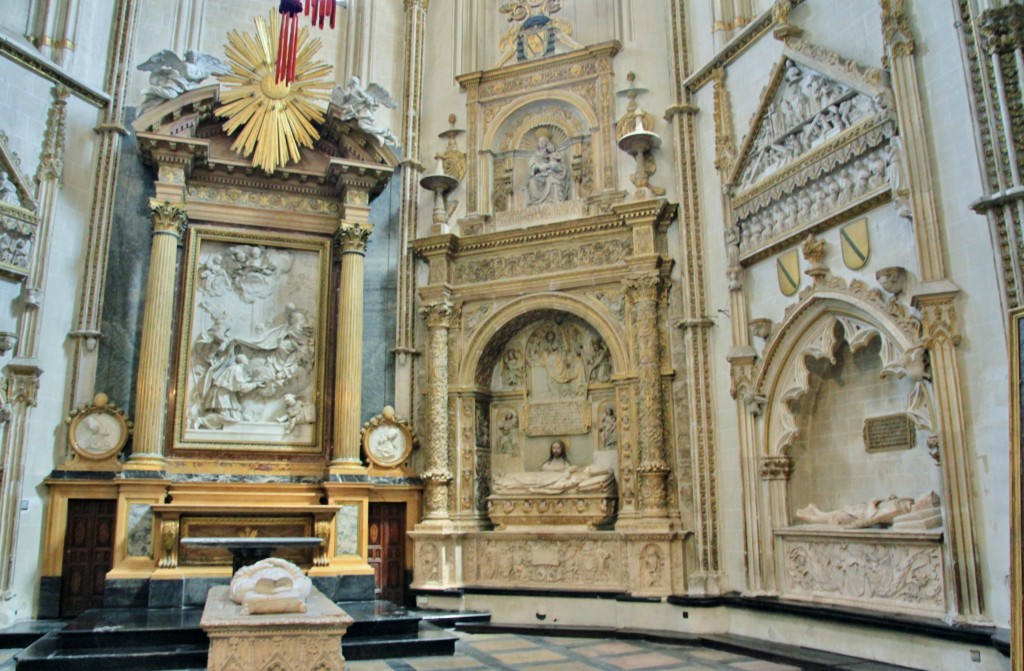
700, 317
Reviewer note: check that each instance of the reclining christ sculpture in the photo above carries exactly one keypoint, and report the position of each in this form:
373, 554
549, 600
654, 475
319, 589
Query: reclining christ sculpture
556, 476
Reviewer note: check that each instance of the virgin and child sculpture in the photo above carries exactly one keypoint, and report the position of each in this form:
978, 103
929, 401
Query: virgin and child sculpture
557, 475
550, 179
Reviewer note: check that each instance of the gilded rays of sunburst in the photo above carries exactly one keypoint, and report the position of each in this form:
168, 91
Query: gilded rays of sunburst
275, 119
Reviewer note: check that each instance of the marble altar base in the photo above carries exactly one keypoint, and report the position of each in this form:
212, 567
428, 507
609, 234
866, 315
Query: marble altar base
282, 642
582, 512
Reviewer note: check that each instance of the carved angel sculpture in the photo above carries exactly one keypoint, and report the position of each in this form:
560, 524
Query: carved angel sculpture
359, 104
170, 76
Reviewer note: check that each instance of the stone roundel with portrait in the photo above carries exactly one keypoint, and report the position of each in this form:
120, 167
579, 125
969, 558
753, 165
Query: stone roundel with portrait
387, 440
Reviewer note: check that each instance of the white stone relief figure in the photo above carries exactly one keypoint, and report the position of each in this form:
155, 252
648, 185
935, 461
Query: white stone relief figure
270, 586
607, 430
387, 443
8, 191
170, 75
556, 476
296, 411
220, 393
562, 359
359, 104
550, 179
512, 368
508, 433
890, 511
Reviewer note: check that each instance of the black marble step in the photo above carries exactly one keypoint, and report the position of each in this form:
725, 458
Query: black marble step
53, 653
428, 640
22, 634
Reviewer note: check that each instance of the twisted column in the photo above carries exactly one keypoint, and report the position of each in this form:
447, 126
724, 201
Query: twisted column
169, 222
351, 239
437, 476
653, 470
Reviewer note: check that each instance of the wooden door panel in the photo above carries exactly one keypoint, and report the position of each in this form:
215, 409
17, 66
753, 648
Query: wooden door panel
386, 545
88, 554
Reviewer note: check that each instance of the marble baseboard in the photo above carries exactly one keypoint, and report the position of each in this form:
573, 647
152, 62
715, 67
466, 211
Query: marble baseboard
345, 587
49, 597
126, 593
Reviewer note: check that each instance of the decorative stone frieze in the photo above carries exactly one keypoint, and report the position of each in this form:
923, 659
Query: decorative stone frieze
880, 570
776, 468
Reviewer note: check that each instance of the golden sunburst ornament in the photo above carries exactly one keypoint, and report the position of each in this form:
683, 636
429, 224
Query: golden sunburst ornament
276, 118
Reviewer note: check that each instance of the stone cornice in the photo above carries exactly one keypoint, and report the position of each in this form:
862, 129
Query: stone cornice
23, 56
474, 80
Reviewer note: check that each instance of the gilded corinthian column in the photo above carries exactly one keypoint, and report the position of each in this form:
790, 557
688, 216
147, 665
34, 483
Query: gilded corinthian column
169, 222
351, 240
437, 476
653, 470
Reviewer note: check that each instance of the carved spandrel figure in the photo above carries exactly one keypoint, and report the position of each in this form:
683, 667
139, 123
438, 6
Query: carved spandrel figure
549, 177
607, 430
508, 427
556, 476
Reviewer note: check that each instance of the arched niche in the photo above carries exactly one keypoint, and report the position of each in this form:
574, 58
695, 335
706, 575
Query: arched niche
542, 158
544, 367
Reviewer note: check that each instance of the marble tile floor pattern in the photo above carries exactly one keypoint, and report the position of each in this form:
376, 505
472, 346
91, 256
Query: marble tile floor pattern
513, 652
478, 652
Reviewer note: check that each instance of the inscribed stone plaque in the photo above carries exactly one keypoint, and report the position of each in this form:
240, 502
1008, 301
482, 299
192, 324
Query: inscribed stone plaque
558, 418
889, 432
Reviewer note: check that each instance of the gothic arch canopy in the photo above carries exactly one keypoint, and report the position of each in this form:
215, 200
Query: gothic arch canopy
810, 332
496, 328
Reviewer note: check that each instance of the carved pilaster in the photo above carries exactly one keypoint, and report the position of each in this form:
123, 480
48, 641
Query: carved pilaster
169, 222
899, 49
22, 391
643, 291
942, 337
351, 239
415, 19
438, 317
169, 532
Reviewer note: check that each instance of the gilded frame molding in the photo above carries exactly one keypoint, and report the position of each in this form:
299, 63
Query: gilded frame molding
321, 246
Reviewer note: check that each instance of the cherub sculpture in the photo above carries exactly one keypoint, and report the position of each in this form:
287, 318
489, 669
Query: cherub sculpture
170, 76
359, 104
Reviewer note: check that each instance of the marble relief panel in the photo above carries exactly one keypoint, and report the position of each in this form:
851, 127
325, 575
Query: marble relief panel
251, 355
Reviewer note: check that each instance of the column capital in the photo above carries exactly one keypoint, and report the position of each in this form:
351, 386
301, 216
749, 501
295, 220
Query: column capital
896, 33
23, 381
438, 315
1001, 29
642, 287
776, 468
352, 238
414, 4
168, 218
939, 322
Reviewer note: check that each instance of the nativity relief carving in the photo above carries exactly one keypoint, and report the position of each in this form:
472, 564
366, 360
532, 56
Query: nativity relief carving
251, 357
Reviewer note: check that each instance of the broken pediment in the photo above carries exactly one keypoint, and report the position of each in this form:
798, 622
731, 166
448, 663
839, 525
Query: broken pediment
821, 142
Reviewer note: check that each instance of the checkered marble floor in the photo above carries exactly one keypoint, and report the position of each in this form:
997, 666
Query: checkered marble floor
545, 653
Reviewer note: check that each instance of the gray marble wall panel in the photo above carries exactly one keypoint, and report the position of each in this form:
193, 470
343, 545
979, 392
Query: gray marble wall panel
379, 296
127, 267
140, 530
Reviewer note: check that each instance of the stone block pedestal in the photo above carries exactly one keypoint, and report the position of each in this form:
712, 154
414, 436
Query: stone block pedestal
286, 641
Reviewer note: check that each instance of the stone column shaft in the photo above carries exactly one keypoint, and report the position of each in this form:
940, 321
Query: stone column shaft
348, 367
169, 221
437, 476
653, 469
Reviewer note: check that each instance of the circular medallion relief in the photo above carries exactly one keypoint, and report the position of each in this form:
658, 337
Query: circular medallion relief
98, 433
387, 442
